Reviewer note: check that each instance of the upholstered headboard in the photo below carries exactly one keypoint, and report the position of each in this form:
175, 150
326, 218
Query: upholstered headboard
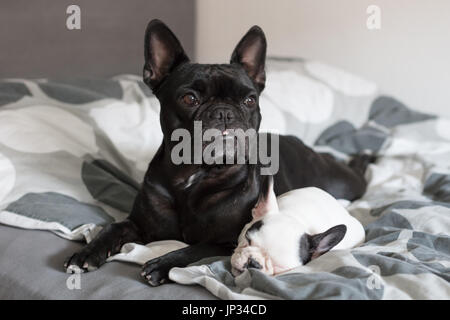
35, 41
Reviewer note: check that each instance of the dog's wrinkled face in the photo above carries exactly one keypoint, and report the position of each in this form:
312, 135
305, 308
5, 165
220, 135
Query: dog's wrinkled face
221, 96
250, 253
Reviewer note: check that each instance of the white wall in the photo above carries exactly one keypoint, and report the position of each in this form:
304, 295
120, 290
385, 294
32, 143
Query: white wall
409, 57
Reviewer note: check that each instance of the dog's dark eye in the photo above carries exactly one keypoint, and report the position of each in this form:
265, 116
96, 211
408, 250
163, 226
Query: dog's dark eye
250, 101
190, 100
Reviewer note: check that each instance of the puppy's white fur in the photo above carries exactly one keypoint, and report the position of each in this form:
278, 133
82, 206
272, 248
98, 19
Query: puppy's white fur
276, 245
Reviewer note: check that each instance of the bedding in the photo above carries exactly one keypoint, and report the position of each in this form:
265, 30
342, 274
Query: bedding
72, 154
30, 268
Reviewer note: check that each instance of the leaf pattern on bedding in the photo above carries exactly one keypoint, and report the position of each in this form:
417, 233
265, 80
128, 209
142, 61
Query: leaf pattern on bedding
81, 91
12, 91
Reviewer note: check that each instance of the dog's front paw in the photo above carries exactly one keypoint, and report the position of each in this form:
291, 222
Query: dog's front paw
84, 261
156, 272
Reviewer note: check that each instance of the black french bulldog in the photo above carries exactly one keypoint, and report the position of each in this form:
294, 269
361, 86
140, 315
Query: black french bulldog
207, 206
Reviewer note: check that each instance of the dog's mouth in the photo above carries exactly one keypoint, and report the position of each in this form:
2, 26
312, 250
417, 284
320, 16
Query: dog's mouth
226, 148
247, 257
215, 146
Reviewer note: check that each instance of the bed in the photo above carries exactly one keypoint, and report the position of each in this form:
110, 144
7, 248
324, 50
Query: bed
72, 155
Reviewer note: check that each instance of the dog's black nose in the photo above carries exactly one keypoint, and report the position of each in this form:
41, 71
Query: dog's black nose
222, 114
252, 263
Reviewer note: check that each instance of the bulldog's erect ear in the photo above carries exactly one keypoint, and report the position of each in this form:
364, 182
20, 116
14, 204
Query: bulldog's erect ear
267, 202
251, 54
163, 53
313, 246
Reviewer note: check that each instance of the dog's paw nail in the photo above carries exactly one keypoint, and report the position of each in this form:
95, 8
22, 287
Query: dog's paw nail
85, 265
91, 268
73, 269
109, 254
153, 283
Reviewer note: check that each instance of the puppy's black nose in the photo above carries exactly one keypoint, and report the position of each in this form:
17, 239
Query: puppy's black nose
222, 114
252, 263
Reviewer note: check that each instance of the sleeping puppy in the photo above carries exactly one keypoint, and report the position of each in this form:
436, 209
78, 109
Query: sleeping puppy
293, 229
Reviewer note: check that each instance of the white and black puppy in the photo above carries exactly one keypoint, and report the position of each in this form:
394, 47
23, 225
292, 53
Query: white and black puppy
293, 229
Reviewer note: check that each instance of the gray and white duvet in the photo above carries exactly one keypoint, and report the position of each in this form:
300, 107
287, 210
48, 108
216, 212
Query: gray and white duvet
72, 155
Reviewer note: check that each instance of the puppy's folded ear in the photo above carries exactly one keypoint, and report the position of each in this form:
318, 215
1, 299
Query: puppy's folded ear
313, 246
163, 53
267, 201
251, 54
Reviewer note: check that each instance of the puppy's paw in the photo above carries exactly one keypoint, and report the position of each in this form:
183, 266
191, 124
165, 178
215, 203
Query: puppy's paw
156, 272
84, 261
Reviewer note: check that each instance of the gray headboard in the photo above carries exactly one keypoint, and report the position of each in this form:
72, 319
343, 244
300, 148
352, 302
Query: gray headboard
35, 42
